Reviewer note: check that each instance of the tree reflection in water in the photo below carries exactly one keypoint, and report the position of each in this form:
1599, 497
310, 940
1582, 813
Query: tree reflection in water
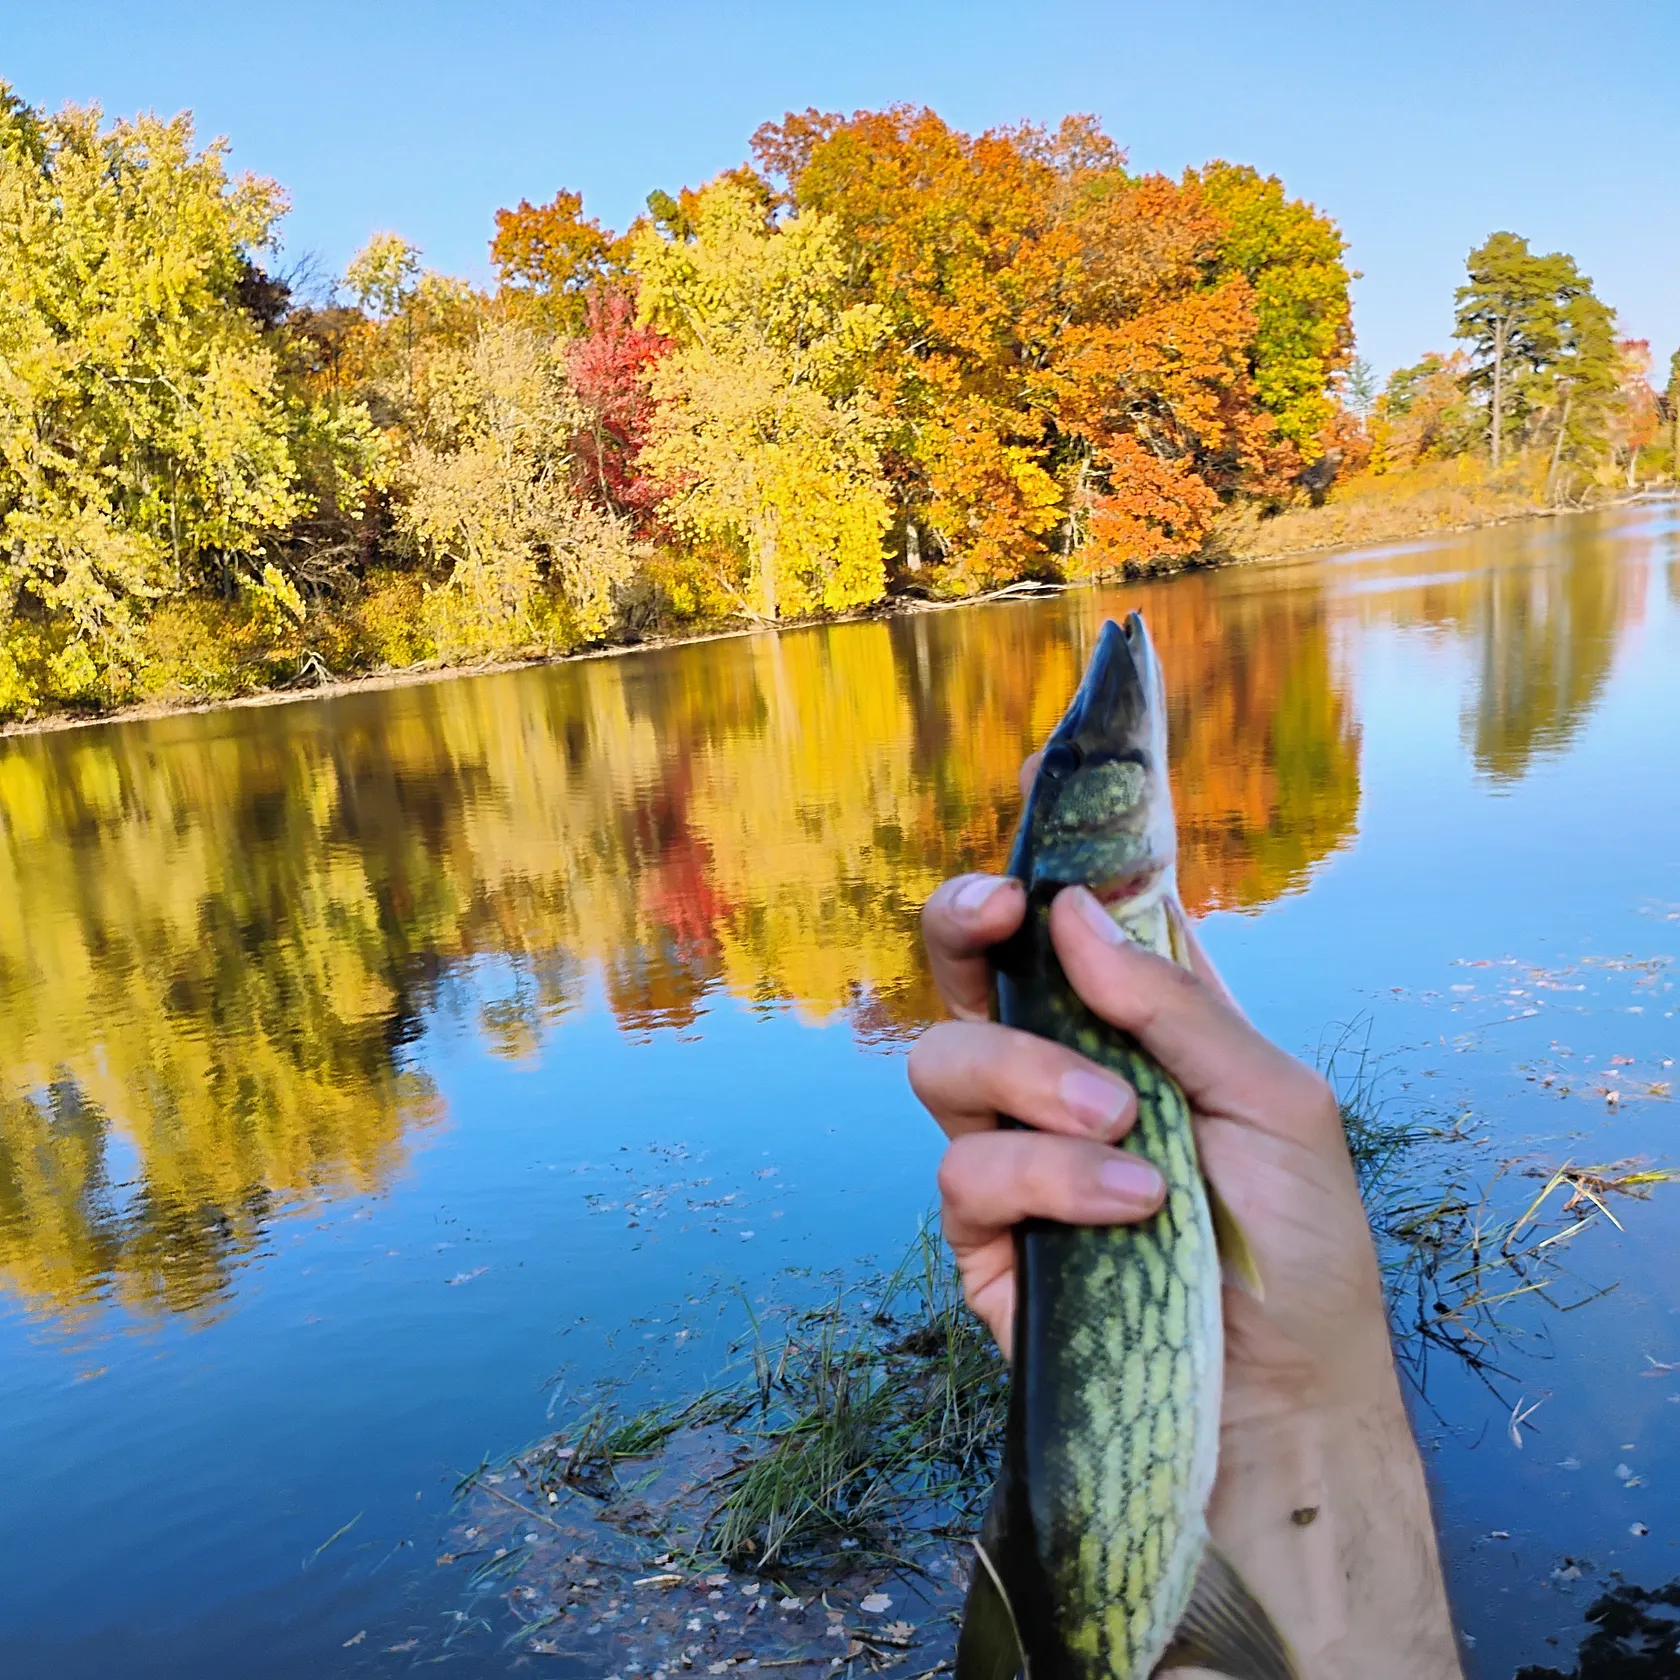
221, 937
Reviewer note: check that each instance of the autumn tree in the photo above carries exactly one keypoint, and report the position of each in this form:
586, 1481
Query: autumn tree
550, 257
764, 428
1425, 413
608, 364
1635, 419
1149, 389
951, 237
1291, 256
490, 501
1094, 361
146, 443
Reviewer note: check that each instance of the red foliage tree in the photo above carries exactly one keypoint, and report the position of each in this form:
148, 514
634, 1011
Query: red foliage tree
608, 365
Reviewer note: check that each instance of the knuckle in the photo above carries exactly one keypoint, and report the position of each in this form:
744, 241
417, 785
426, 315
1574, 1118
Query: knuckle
1043, 1171
1180, 983
953, 1173
935, 901
926, 1054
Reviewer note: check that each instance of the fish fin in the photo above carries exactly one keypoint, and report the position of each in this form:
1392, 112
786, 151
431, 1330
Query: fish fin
989, 1642
1235, 1252
1226, 1629
1178, 932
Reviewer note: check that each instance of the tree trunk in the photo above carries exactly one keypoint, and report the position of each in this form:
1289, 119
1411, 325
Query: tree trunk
1500, 328
912, 547
1557, 447
767, 563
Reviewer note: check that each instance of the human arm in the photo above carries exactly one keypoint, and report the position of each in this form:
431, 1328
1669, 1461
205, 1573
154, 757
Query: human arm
1313, 1419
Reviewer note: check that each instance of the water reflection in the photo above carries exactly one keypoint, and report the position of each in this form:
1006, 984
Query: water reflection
1542, 608
220, 937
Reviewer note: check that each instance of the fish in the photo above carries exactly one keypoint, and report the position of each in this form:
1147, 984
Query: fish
1094, 1561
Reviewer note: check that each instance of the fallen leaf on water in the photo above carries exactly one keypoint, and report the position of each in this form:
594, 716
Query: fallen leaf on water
875, 1603
407, 1645
1638, 1529
355, 1639
1520, 1416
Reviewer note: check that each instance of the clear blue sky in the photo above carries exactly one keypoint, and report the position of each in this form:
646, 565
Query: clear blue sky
1421, 125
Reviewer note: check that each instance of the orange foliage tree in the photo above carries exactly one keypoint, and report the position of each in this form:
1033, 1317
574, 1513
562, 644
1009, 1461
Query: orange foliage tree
1087, 362
550, 257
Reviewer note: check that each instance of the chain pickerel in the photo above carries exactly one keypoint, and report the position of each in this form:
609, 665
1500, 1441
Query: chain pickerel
1094, 1562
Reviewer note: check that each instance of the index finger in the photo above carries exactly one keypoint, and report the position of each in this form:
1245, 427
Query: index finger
964, 918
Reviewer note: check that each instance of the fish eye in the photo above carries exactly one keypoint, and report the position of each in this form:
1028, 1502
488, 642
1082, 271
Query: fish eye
1059, 761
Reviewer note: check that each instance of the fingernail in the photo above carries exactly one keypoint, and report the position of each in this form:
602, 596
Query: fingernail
1095, 917
1094, 1099
972, 897
1130, 1179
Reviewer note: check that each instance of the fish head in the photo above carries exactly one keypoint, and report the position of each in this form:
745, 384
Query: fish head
1099, 813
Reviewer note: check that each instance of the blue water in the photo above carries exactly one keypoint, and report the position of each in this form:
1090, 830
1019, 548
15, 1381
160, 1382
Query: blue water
370, 1063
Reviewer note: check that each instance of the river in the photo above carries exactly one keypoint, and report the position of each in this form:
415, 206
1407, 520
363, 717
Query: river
365, 1062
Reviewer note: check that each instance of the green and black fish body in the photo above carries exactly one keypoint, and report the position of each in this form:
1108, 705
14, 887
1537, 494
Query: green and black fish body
1095, 1562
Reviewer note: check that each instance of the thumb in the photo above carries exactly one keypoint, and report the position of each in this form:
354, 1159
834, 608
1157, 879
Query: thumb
1196, 1033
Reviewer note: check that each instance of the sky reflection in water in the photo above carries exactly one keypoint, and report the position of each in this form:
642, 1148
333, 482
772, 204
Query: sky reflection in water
363, 1061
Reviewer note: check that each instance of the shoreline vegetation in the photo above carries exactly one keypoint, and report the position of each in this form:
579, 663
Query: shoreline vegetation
882, 362
1440, 509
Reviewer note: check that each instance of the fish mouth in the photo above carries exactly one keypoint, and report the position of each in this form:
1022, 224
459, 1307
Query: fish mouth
1117, 712
1127, 888
1102, 808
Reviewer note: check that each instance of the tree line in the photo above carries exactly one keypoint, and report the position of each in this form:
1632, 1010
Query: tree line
881, 356
1545, 381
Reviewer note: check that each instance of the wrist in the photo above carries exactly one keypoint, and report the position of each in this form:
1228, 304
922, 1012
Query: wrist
1324, 1511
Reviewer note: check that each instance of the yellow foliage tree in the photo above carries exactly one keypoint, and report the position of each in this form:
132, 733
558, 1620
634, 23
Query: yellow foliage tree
531, 564
763, 428
146, 446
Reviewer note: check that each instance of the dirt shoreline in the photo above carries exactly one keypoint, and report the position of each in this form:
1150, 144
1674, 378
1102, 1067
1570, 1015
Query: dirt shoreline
413, 676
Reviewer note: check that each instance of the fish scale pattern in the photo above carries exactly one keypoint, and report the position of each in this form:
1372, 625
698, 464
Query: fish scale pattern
1125, 1356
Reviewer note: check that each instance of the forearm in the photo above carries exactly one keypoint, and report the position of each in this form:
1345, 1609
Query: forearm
1324, 1512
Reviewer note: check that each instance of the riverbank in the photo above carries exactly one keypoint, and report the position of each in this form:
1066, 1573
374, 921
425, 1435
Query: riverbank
1367, 513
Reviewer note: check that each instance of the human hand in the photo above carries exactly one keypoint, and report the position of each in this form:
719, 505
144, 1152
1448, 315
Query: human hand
1320, 1500
1268, 1130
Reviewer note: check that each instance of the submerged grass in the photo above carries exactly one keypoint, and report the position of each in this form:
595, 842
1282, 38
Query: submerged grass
1457, 1256
869, 1424
866, 1423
